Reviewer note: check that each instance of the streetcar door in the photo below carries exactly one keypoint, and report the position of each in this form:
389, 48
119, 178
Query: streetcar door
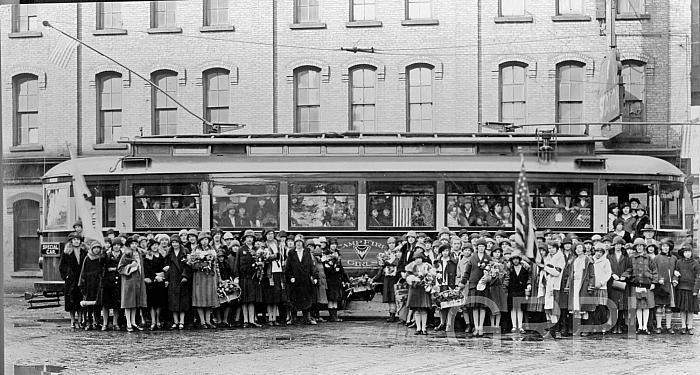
628, 194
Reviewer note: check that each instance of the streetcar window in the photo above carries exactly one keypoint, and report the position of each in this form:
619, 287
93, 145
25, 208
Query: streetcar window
670, 195
401, 205
166, 206
473, 204
561, 205
108, 193
245, 206
323, 205
56, 197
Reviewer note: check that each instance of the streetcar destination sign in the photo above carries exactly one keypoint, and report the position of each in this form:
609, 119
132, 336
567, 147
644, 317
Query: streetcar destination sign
50, 249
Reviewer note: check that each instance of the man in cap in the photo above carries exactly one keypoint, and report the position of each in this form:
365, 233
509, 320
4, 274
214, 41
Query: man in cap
648, 233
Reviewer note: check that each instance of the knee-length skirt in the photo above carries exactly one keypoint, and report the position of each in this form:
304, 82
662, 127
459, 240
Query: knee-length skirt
156, 295
418, 298
475, 298
642, 299
272, 293
204, 290
686, 301
498, 295
249, 290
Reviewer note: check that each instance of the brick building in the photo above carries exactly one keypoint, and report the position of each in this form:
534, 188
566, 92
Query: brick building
278, 67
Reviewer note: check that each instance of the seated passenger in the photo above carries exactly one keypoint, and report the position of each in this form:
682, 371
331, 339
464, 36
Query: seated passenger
552, 199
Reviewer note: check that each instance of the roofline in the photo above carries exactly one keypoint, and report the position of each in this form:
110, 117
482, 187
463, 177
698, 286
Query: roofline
353, 137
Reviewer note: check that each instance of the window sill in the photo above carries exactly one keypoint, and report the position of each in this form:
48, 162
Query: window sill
164, 30
307, 25
364, 23
110, 146
216, 28
109, 32
571, 18
26, 148
423, 22
632, 16
512, 19
26, 34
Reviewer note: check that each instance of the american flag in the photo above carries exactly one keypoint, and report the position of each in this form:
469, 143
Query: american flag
85, 210
62, 51
402, 211
524, 225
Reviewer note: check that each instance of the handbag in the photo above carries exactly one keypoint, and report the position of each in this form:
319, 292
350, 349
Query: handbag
619, 285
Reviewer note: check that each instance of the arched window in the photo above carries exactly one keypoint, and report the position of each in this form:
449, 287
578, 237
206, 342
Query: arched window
634, 109
512, 93
363, 98
420, 98
216, 95
109, 107
164, 109
570, 93
26, 109
307, 99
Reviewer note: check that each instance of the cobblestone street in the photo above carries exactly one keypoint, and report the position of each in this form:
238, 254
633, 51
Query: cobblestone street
38, 337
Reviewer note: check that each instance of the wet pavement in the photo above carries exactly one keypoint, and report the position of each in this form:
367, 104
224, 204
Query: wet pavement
43, 338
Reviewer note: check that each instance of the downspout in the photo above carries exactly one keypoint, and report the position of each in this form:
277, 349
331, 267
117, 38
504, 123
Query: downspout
78, 82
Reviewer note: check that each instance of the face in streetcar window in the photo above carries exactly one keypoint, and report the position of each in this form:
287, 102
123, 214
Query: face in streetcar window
478, 204
160, 206
561, 205
323, 205
245, 206
401, 204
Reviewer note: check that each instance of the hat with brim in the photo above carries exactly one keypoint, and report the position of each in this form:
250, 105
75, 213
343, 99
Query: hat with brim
684, 249
94, 244
411, 233
204, 235
480, 241
175, 238
161, 236
419, 254
249, 233
648, 228
182, 232
131, 240
638, 241
73, 235
192, 232
228, 236
618, 240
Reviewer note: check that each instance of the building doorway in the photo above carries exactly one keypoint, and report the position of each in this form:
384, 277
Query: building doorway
26, 238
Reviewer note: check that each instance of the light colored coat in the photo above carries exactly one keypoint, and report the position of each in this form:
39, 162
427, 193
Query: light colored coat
603, 272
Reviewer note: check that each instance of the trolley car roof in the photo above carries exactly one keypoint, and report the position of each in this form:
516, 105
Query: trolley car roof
163, 165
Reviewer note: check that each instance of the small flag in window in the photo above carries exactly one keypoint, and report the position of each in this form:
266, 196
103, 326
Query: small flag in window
62, 51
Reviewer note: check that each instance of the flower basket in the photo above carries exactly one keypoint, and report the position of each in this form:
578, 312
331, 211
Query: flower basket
453, 303
450, 298
227, 291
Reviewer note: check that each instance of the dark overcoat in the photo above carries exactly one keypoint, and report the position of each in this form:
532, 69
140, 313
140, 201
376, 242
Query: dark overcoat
304, 272
70, 267
179, 292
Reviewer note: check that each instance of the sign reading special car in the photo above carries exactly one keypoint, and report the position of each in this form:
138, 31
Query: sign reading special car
359, 256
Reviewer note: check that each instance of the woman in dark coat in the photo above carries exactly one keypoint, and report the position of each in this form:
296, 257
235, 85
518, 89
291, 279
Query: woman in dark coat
244, 273
388, 275
90, 276
177, 279
663, 292
69, 266
472, 274
110, 289
686, 278
273, 285
518, 281
156, 293
644, 278
302, 277
335, 278
621, 269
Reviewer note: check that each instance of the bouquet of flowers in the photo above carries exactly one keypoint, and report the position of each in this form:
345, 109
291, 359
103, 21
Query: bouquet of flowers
201, 261
228, 291
260, 256
449, 298
491, 271
360, 283
425, 278
428, 281
387, 260
331, 262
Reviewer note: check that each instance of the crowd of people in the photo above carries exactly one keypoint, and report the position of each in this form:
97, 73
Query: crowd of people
569, 280
200, 279
205, 280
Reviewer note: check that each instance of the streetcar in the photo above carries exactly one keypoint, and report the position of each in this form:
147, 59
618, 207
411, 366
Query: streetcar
357, 188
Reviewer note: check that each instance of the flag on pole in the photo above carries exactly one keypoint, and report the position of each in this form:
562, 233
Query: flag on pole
62, 51
524, 224
85, 210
